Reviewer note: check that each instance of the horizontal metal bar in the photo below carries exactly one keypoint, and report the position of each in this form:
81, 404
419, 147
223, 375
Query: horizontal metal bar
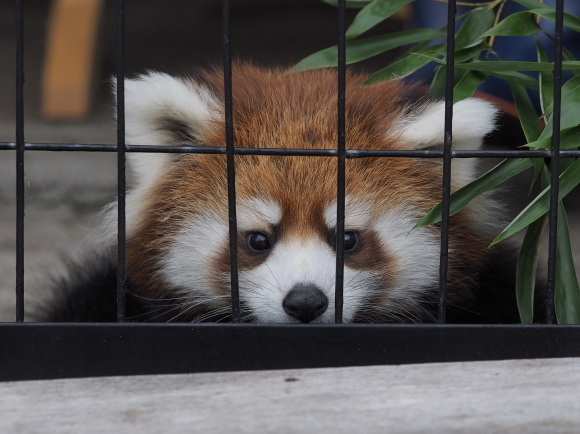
352, 153
33, 351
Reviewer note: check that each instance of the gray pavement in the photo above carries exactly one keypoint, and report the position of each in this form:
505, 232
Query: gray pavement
526, 396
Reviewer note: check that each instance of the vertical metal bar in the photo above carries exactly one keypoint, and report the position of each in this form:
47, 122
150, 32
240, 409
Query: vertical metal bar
340, 190
19, 15
121, 232
444, 259
228, 106
555, 163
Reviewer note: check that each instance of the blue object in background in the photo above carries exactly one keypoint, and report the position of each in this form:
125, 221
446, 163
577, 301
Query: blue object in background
432, 14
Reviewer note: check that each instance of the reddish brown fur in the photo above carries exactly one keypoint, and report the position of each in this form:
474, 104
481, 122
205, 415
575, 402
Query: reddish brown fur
277, 109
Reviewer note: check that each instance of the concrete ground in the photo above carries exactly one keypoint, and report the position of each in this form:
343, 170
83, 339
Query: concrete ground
525, 396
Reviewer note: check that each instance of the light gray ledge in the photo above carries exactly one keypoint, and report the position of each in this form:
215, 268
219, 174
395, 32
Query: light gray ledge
523, 396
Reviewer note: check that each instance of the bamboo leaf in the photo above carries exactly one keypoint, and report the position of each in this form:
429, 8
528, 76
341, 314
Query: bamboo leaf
517, 78
351, 4
570, 109
468, 53
373, 14
569, 179
526, 269
529, 122
467, 85
508, 65
568, 87
533, 4
362, 49
566, 289
492, 178
546, 80
518, 24
438, 82
404, 66
570, 20
569, 139
470, 32
527, 112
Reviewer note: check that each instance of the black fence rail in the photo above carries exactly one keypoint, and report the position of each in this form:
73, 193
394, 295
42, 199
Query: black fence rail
39, 351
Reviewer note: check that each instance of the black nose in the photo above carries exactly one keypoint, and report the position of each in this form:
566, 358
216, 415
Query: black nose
305, 303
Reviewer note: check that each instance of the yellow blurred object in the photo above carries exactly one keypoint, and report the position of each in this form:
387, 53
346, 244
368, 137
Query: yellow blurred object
70, 58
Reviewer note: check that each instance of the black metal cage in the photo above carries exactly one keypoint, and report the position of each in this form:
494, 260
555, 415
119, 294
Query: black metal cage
41, 351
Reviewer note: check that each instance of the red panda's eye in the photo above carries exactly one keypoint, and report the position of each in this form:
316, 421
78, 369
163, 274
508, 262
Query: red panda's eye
258, 241
350, 241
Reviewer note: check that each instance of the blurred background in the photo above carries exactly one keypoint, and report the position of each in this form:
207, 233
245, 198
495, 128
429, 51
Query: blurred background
70, 56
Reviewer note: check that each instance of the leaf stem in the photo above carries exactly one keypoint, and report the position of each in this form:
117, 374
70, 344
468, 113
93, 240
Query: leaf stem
495, 21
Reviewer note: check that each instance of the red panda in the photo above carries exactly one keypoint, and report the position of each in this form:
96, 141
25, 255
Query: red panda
177, 214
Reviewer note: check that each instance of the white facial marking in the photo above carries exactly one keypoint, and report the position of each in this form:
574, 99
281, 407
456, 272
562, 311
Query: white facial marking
188, 266
257, 213
416, 252
291, 263
357, 214
187, 263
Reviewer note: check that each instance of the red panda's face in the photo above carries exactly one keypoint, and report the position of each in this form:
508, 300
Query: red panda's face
286, 206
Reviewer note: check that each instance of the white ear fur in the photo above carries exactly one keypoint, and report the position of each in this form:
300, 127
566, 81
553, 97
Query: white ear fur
473, 119
155, 103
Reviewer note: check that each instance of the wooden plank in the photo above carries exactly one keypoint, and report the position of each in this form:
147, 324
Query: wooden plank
70, 58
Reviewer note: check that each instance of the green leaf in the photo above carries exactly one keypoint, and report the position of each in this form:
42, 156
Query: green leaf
361, 49
569, 139
570, 20
517, 78
477, 22
351, 4
567, 89
526, 269
570, 107
372, 14
532, 4
492, 178
469, 53
438, 82
529, 122
566, 289
569, 179
506, 65
518, 24
467, 85
527, 112
492, 66
404, 66
546, 80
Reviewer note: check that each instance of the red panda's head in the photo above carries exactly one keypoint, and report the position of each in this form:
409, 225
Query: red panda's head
177, 214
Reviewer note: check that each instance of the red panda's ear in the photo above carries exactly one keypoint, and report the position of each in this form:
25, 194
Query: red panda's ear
167, 111
423, 127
